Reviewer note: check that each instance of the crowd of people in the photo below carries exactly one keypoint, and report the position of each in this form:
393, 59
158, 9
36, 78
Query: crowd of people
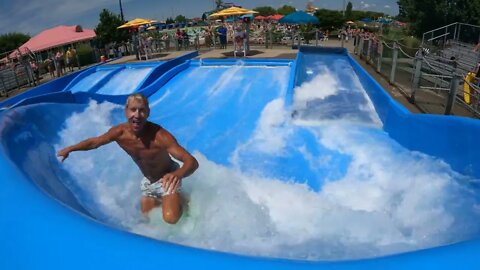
58, 63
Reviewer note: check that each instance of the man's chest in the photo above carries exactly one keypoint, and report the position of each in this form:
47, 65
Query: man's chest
142, 150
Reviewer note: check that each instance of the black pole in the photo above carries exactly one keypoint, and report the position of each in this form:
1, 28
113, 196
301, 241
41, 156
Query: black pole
121, 10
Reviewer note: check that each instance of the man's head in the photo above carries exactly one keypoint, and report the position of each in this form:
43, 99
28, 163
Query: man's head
137, 112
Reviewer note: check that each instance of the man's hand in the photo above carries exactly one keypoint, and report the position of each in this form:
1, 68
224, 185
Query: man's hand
171, 183
63, 153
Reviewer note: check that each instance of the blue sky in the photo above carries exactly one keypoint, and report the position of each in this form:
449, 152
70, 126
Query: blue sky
31, 17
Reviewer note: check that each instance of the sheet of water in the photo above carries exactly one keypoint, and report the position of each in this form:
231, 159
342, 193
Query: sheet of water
300, 188
125, 82
86, 83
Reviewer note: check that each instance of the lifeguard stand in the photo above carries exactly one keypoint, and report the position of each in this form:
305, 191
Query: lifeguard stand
243, 50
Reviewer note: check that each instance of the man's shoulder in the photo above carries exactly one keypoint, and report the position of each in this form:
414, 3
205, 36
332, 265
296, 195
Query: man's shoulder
118, 129
161, 133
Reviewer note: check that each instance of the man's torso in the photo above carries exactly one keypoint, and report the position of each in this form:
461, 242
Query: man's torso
148, 152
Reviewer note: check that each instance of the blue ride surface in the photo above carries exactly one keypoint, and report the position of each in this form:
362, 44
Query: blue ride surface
303, 164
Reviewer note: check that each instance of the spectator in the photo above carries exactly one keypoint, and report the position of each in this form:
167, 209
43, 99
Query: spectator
239, 37
59, 63
179, 39
69, 58
222, 34
185, 39
36, 71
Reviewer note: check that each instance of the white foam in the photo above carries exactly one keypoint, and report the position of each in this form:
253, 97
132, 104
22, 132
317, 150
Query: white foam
321, 86
390, 200
334, 93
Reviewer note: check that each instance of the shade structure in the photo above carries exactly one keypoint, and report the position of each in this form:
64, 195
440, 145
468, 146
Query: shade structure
299, 17
247, 16
260, 17
350, 22
384, 21
136, 23
275, 17
367, 20
56, 37
233, 11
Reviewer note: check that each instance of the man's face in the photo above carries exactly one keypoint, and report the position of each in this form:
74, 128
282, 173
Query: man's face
137, 113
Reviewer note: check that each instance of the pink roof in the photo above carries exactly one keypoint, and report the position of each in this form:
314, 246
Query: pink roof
55, 37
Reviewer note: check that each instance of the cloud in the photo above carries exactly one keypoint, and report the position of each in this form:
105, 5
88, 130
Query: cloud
387, 6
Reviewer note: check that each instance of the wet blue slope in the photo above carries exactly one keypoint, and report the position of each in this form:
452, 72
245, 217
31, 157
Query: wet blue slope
74, 242
213, 108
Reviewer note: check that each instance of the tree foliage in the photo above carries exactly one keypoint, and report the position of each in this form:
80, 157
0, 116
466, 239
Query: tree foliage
330, 18
107, 31
348, 11
426, 15
360, 14
180, 18
285, 10
265, 11
11, 41
169, 20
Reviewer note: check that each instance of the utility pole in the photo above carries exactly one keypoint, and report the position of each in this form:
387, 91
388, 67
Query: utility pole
343, 8
121, 10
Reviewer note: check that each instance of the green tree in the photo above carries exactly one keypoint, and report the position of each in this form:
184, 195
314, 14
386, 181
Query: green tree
330, 18
11, 41
180, 18
360, 14
402, 13
426, 15
285, 10
348, 11
265, 11
169, 20
107, 31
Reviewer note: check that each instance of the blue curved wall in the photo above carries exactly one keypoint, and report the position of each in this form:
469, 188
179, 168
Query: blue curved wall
40, 231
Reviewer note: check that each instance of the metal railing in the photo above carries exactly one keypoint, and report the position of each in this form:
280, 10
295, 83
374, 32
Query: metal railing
16, 72
456, 32
423, 78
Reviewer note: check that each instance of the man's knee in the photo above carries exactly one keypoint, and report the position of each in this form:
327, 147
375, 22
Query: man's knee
170, 216
147, 204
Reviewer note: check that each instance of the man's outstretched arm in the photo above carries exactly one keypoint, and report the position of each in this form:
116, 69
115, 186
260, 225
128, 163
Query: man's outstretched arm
91, 143
171, 181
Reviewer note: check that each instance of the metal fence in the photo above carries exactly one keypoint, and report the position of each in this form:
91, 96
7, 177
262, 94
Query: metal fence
426, 79
16, 73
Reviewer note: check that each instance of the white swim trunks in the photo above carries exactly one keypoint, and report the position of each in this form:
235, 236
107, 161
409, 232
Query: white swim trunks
156, 190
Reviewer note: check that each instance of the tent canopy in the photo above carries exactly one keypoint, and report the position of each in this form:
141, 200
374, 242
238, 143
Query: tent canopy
232, 11
55, 37
136, 23
275, 17
299, 17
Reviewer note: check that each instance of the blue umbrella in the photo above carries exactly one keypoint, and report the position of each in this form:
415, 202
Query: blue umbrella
299, 17
247, 15
367, 20
383, 21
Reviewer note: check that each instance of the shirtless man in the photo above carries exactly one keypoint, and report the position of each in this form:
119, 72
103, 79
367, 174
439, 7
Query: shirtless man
150, 146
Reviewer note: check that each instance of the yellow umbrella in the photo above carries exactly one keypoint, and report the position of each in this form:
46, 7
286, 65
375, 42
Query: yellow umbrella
350, 22
232, 11
135, 23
